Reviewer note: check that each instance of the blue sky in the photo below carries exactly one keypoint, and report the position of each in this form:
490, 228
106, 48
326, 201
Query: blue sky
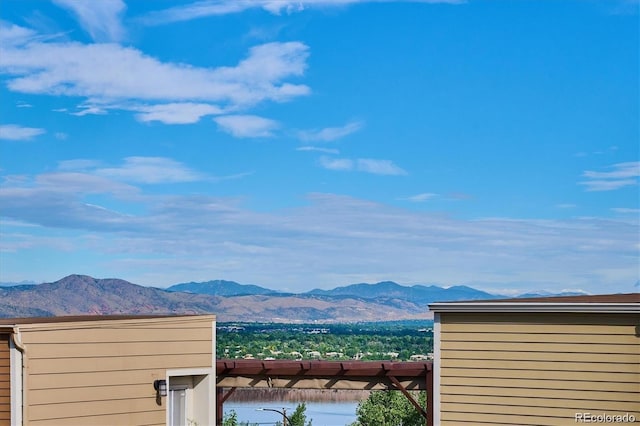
314, 143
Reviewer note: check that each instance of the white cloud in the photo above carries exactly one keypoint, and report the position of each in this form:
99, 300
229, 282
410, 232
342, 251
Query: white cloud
19, 133
176, 113
378, 167
72, 184
619, 176
100, 18
625, 210
608, 185
196, 10
78, 165
14, 35
318, 149
86, 109
330, 133
420, 198
86, 70
247, 126
620, 171
150, 170
327, 242
201, 9
336, 163
366, 165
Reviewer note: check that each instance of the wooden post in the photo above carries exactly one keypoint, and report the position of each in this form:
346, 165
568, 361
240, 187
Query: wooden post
219, 405
430, 407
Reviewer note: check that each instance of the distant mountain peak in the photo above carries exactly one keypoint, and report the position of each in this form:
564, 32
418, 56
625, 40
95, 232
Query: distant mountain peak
220, 288
416, 293
78, 294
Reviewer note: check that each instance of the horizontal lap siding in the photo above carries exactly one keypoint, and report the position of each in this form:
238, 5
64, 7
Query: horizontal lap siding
537, 369
102, 373
5, 380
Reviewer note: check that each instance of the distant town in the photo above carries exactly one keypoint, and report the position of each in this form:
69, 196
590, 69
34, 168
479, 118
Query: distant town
394, 341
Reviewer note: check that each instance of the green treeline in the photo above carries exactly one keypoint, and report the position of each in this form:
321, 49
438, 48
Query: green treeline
361, 341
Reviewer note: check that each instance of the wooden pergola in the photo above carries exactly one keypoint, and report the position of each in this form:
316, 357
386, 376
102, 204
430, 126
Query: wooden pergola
353, 375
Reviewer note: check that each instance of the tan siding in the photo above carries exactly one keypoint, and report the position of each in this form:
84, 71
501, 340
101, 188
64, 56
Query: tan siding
532, 336
142, 418
543, 410
538, 392
455, 418
540, 369
102, 372
5, 380
525, 364
92, 408
546, 403
493, 354
82, 380
509, 382
99, 393
565, 322
540, 327
120, 363
118, 335
565, 376
542, 347
109, 349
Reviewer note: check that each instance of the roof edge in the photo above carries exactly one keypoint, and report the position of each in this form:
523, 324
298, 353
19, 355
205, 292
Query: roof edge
537, 307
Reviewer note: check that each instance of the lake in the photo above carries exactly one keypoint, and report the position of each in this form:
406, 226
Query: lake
320, 413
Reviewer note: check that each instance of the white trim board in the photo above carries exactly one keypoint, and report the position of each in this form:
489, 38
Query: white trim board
535, 307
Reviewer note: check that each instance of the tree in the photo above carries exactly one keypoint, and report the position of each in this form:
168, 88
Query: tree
230, 419
389, 408
299, 416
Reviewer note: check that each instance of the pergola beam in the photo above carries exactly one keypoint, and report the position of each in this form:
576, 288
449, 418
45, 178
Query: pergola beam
353, 375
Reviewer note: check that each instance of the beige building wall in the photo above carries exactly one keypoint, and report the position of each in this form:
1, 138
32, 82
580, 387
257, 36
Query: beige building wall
102, 372
537, 368
5, 380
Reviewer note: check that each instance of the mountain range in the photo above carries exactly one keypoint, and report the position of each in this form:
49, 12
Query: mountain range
230, 301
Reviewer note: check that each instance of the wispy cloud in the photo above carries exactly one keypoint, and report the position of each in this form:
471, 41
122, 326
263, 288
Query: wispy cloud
337, 163
201, 9
151, 170
177, 113
618, 176
160, 243
73, 69
625, 210
247, 126
421, 198
80, 164
167, 92
378, 167
367, 165
101, 18
12, 35
195, 10
15, 132
330, 133
318, 149
135, 170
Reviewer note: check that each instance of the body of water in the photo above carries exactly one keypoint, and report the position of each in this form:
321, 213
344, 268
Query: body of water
320, 413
